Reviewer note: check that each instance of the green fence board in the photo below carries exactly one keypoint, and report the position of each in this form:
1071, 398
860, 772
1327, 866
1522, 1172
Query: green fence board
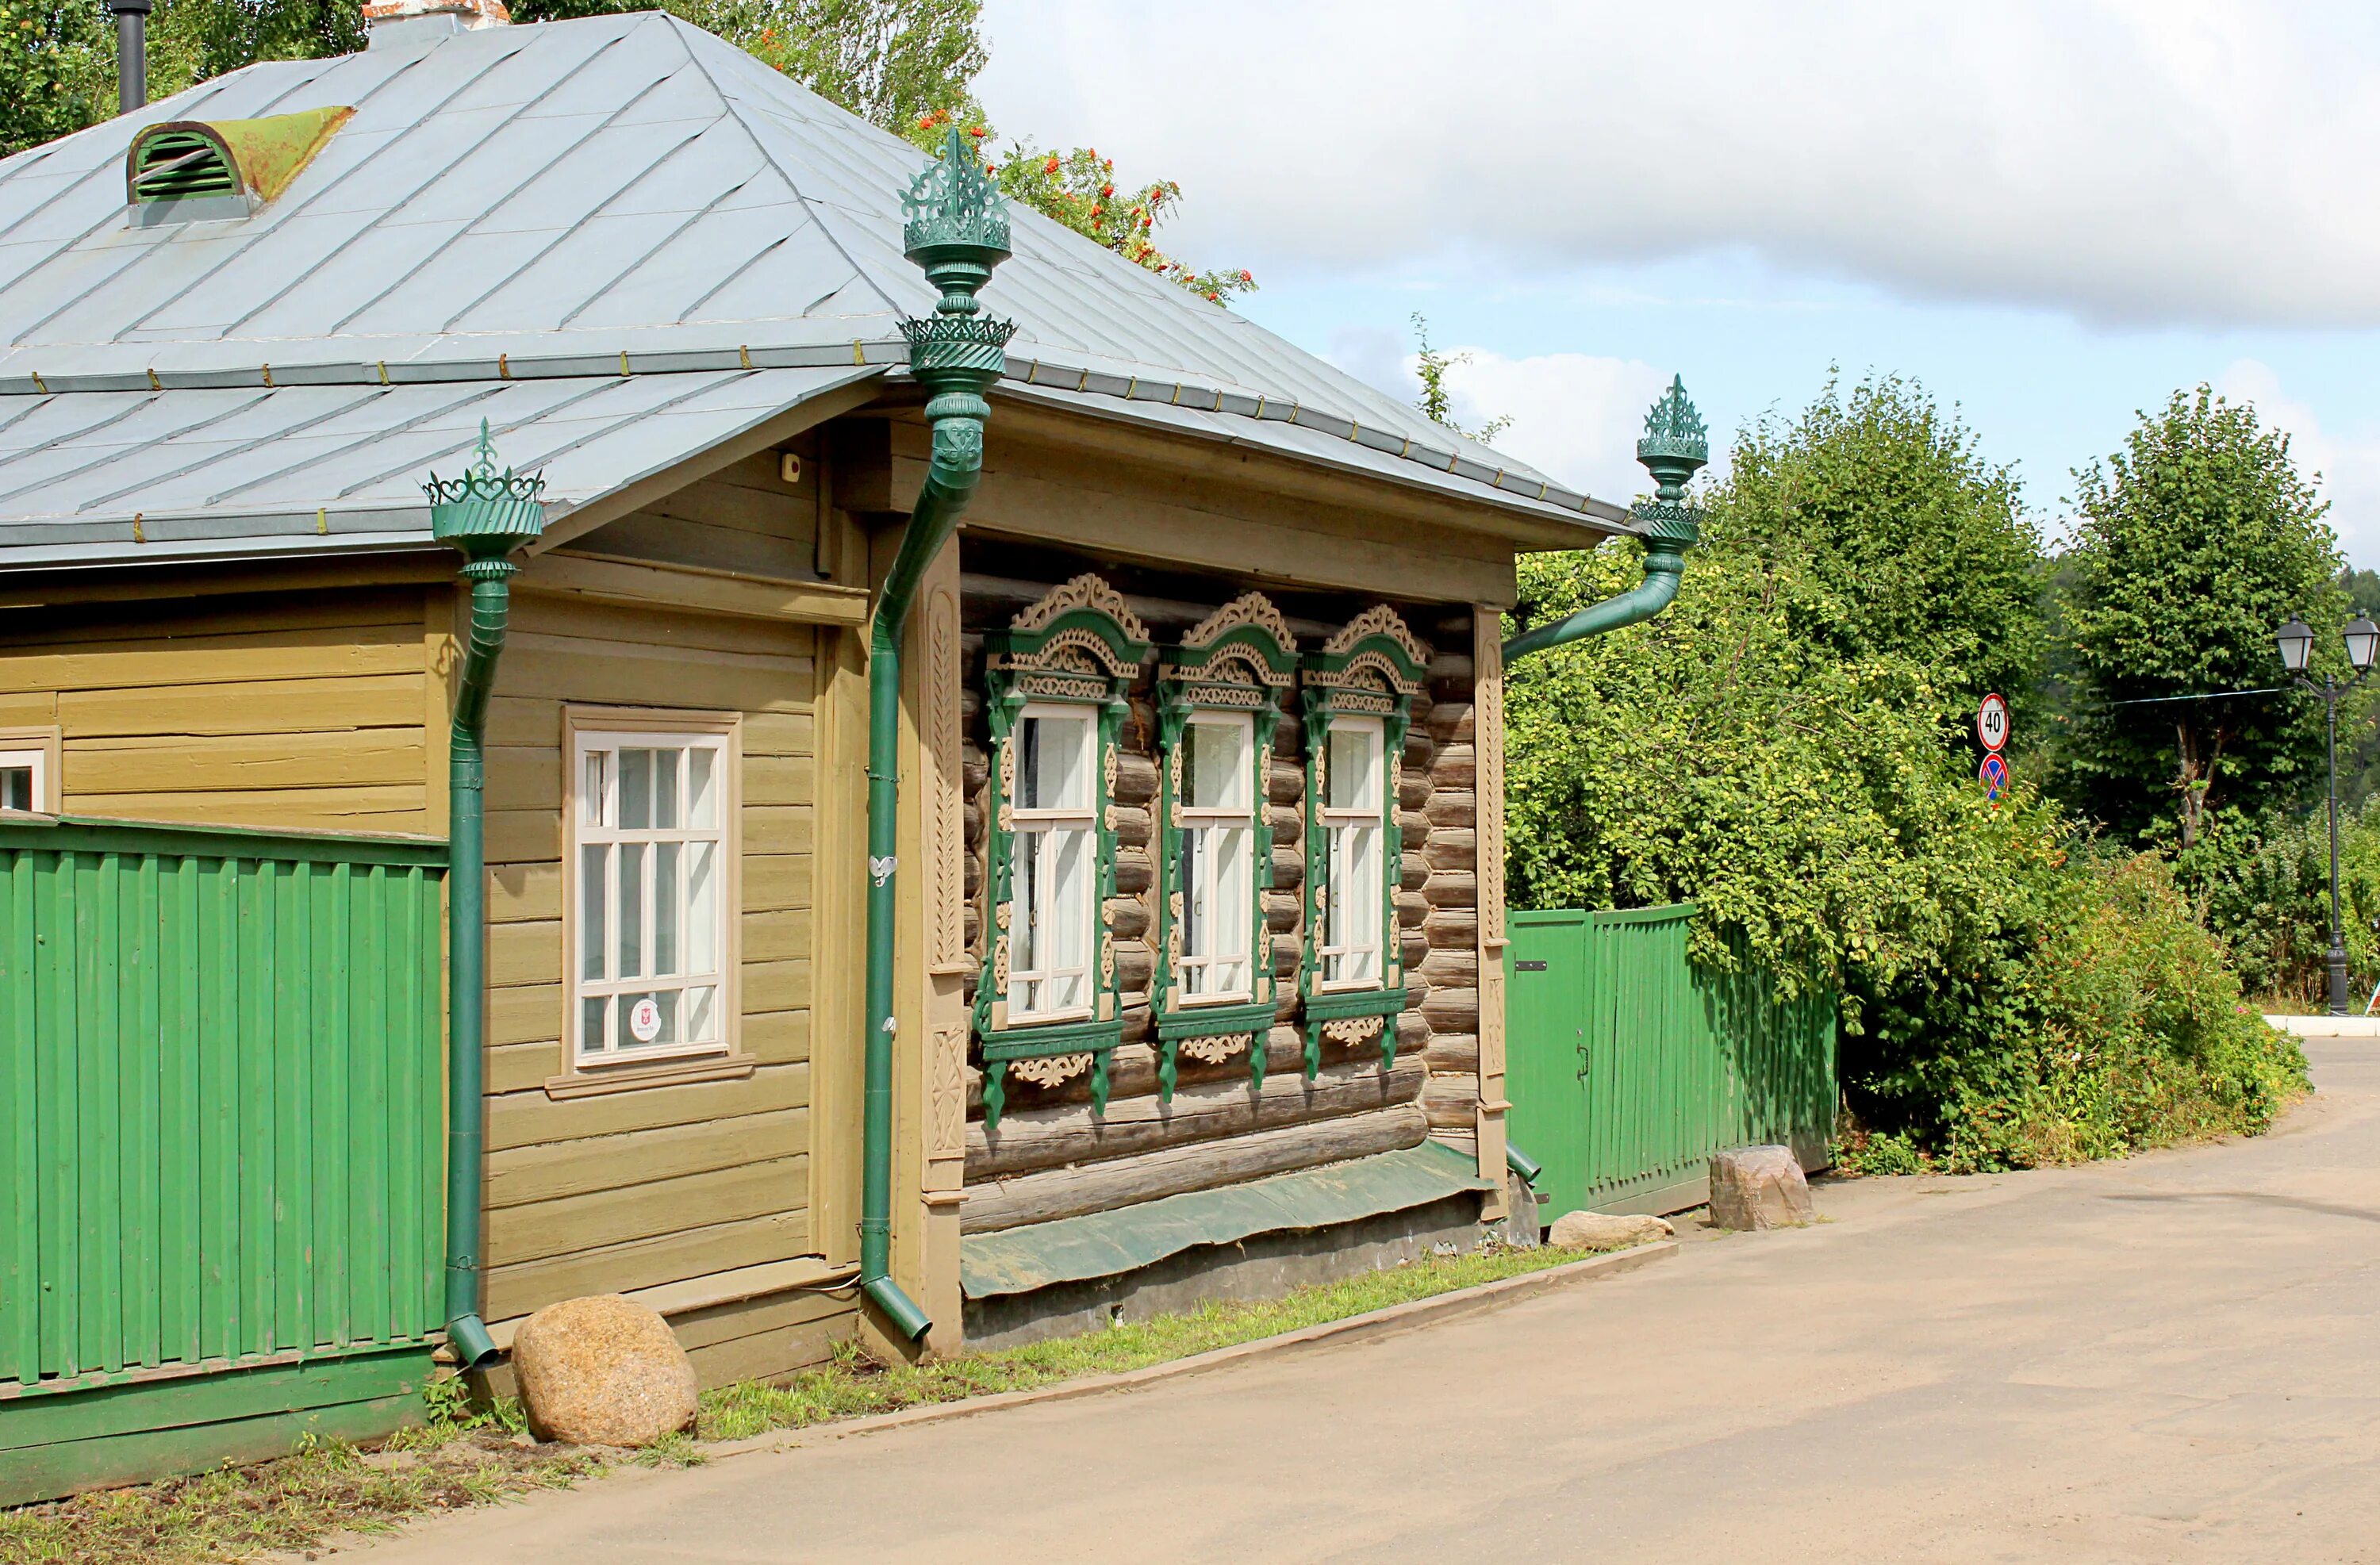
1628, 1066
221, 1054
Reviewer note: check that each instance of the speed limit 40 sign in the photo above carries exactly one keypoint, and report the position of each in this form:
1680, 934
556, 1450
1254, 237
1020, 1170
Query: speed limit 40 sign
1992, 723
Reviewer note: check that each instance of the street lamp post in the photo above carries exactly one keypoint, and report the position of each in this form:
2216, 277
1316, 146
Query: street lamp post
2296, 644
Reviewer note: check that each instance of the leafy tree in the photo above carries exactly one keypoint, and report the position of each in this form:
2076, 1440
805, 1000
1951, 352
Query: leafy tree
1079, 188
57, 60
1768, 751
2194, 542
887, 61
1909, 542
1435, 400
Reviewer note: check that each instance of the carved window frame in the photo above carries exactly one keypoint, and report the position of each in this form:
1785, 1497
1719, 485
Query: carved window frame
1079, 646
1373, 669
1240, 660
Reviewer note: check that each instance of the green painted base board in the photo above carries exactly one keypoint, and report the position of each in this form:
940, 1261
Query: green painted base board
65, 1443
1019, 1260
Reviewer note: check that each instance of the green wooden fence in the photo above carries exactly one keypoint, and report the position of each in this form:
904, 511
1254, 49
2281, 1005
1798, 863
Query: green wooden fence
220, 1126
1628, 1066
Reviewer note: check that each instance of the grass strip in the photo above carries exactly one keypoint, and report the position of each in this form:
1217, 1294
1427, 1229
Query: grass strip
464, 1455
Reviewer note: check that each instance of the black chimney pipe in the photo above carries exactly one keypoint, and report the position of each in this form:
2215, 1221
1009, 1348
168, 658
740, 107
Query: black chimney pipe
131, 53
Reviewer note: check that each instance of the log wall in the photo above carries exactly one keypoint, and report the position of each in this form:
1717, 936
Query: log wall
1051, 1157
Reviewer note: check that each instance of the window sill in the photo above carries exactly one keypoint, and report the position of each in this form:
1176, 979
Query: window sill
600, 1080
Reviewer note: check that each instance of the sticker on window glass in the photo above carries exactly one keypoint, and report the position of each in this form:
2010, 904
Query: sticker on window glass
645, 1020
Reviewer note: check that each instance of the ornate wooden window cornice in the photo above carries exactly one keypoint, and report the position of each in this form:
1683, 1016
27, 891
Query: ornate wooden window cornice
1079, 645
1372, 668
1241, 659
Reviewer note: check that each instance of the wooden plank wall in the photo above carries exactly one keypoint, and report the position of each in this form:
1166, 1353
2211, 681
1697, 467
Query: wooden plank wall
305, 710
660, 1184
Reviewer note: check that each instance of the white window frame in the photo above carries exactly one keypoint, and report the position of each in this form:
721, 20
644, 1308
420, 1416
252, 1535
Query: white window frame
1336, 892
608, 730
1029, 830
1206, 871
36, 750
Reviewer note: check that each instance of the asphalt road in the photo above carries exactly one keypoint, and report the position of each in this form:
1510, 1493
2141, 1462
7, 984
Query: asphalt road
2172, 1358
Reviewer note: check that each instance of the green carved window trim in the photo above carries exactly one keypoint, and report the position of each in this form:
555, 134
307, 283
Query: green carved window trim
1371, 669
1240, 660
1080, 646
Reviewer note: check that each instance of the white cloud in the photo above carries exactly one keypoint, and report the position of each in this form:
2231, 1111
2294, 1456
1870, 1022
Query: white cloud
1574, 416
2128, 161
2349, 462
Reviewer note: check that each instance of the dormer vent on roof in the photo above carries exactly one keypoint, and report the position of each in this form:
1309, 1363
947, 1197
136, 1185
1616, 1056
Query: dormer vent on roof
188, 170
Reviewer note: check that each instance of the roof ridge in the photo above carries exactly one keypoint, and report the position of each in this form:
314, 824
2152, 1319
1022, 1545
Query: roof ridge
729, 102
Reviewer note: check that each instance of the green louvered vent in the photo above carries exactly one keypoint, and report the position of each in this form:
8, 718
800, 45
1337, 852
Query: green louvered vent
179, 165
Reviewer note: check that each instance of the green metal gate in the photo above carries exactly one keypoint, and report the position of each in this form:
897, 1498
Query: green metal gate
220, 1129
1628, 1066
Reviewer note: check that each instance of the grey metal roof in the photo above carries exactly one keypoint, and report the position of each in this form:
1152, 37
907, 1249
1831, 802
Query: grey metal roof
90, 477
544, 225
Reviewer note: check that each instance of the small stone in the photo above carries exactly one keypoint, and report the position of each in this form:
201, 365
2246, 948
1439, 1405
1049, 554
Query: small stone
1520, 1226
1756, 1187
603, 1371
1602, 1230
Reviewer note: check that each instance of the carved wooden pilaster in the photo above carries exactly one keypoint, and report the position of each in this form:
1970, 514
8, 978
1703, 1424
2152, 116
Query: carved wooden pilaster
1487, 742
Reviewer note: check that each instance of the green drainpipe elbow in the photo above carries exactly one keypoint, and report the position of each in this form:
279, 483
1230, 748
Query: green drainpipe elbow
957, 232
1674, 446
486, 515
1520, 1163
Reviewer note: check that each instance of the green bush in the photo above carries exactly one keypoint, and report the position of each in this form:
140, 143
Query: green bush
2263, 884
2013, 992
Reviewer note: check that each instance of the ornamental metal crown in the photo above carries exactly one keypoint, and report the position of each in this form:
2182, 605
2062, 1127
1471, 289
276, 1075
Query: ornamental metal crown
953, 206
1675, 445
486, 512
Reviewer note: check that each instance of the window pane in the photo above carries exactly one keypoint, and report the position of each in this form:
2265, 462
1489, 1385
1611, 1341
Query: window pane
1053, 769
702, 1013
590, 787
594, 862
1024, 905
17, 787
702, 926
1357, 913
1355, 769
1215, 766
701, 789
590, 1023
665, 790
631, 942
666, 896
636, 790
1066, 935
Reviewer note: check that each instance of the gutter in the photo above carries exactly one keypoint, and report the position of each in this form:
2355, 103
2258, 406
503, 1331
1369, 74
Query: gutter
1674, 447
486, 515
956, 233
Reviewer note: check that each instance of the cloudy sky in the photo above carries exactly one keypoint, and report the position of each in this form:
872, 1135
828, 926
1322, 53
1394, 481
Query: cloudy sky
2053, 213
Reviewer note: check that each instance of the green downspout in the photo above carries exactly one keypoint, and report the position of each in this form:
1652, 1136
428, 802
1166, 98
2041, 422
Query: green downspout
957, 231
486, 515
1675, 446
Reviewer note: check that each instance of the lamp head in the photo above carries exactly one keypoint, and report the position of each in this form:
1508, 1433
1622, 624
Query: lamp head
2363, 642
2296, 643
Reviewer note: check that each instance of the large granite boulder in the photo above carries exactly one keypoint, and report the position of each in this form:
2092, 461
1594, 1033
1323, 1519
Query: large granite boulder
1753, 1187
603, 1371
1601, 1231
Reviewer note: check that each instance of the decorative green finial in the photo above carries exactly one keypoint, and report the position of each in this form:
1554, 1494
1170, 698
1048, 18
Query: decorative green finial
956, 232
1675, 446
957, 225
485, 512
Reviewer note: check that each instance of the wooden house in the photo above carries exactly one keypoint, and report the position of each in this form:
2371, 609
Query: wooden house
1190, 777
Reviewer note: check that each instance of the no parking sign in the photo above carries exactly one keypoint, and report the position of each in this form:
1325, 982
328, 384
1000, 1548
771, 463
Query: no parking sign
1992, 728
